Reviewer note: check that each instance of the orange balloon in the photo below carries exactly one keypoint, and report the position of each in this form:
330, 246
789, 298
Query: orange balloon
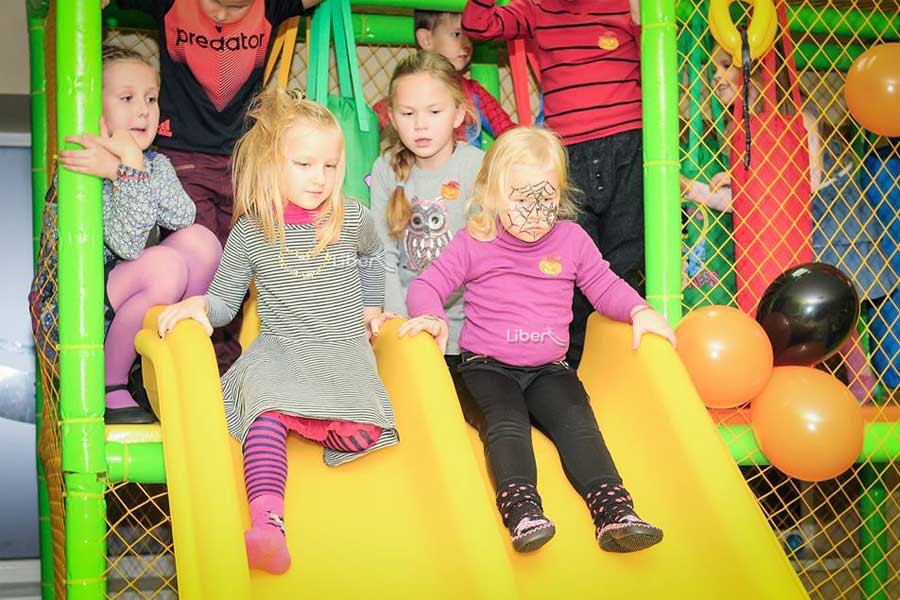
872, 89
726, 353
807, 423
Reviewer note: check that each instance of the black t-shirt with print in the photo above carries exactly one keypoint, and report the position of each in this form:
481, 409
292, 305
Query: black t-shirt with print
210, 72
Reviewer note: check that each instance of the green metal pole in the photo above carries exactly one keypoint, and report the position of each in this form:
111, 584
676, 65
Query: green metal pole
873, 535
881, 444
697, 57
141, 462
395, 30
375, 29
662, 205
742, 445
826, 21
826, 57
439, 5
78, 81
113, 16
387, 30
864, 25
39, 180
48, 588
371, 29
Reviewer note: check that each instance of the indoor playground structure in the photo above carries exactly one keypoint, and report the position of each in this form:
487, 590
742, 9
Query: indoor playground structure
158, 511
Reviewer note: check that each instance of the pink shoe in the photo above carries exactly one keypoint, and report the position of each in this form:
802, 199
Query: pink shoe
266, 544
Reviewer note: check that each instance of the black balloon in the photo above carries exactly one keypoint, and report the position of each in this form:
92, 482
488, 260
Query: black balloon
808, 312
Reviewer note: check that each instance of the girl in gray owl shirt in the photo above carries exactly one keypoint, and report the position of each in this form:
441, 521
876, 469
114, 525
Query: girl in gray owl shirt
420, 184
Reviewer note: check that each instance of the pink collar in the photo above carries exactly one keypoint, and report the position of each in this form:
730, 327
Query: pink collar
295, 215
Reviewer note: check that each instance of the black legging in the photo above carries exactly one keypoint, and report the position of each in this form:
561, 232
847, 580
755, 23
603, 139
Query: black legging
504, 400
609, 172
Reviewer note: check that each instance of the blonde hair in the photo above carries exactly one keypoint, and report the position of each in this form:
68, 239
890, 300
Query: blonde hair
259, 161
529, 146
114, 54
111, 54
401, 158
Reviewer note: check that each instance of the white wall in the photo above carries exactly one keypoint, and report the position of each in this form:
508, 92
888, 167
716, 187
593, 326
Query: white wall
18, 501
13, 47
18, 498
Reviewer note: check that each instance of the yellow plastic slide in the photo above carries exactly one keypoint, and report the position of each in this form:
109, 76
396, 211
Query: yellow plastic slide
418, 520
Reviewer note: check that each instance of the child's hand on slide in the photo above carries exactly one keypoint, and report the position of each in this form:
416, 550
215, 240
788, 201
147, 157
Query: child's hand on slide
646, 320
194, 308
375, 318
435, 326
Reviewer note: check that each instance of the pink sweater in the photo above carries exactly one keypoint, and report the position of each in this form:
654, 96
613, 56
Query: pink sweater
518, 295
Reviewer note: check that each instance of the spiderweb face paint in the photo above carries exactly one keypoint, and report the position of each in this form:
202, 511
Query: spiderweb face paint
531, 210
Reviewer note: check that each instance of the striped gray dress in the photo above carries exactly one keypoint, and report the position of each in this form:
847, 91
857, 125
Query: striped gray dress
312, 358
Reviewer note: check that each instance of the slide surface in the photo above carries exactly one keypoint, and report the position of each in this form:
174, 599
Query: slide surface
418, 520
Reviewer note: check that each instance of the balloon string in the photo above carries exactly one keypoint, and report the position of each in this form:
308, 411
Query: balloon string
745, 100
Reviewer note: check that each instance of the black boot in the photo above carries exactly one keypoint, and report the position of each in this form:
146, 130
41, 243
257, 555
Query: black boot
619, 529
520, 507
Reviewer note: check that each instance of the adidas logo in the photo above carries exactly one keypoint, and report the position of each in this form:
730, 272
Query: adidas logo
165, 128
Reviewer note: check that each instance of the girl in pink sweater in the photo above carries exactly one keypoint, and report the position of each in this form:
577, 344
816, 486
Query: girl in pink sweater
519, 265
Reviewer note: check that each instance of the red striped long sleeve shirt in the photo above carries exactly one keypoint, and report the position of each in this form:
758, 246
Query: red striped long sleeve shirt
589, 56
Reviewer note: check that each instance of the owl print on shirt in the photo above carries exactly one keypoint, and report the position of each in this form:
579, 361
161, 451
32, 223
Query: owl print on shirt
428, 232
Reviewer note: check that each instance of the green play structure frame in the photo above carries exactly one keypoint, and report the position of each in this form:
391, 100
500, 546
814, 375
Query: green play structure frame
86, 453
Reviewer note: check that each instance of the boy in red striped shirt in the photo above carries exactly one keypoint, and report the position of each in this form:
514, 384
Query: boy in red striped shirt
441, 32
589, 57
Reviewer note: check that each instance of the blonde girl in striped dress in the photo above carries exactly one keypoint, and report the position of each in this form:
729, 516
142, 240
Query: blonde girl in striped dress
316, 260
